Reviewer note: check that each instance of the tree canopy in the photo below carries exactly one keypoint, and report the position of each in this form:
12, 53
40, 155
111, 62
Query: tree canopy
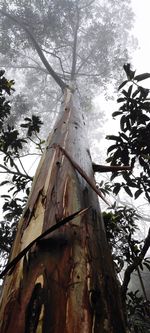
77, 40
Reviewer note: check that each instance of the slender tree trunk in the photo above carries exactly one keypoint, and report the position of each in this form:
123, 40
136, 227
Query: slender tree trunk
66, 283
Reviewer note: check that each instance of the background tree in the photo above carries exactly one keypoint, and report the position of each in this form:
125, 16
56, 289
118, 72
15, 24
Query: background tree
73, 267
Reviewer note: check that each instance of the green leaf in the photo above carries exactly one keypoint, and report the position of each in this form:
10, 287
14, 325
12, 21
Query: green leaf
136, 92
147, 265
123, 122
130, 90
116, 113
111, 148
115, 174
2, 72
109, 159
137, 193
113, 137
116, 188
146, 106
141, 266
126, 188
5, 196
122, 84
4, 182
142, 77
11, 162
24, 125
124, 136
144, 118
130, 74
125, 93
119, 100
27, 119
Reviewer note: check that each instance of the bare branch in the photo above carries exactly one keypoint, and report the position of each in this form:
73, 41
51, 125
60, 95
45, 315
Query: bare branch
88, 4
84, 61
22, 166
56, 56
28, 67
134, 265
17, 20
74, 53
7, 170
109, 168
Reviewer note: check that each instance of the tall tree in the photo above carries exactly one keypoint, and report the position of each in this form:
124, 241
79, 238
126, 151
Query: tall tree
65, 280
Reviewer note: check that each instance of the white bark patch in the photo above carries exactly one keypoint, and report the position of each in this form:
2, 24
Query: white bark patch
34, 228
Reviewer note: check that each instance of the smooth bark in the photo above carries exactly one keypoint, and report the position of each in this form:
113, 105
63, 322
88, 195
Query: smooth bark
66, 283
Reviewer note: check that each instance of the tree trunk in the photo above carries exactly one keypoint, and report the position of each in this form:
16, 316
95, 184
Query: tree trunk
66, 283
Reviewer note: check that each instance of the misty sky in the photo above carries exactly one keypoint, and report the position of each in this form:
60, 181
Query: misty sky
141, 58
140, 62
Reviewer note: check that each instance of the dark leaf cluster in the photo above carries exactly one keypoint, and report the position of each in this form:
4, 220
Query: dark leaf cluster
33, 125
132, 143
13, 208
138, 312
13, 141
120, 224
10, 140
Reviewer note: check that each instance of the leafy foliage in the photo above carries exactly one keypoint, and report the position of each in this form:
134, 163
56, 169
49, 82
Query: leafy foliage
131, 147
138, 313
32, 124
121, 227
120, 223
12, 144
132, 143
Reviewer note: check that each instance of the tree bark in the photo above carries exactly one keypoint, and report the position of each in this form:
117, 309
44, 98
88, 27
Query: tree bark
66, 283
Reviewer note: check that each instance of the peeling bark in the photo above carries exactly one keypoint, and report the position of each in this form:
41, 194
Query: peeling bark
66, 283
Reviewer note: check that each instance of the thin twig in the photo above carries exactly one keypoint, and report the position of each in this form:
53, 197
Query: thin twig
56, 56
142, 284
22, 166
14, 172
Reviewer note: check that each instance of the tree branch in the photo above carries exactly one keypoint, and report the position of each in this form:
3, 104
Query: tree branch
14, 172
134, 265
27, 67
88, 4
23, 167
109, 168
84, 61
74, 54
17, 20
56, 56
